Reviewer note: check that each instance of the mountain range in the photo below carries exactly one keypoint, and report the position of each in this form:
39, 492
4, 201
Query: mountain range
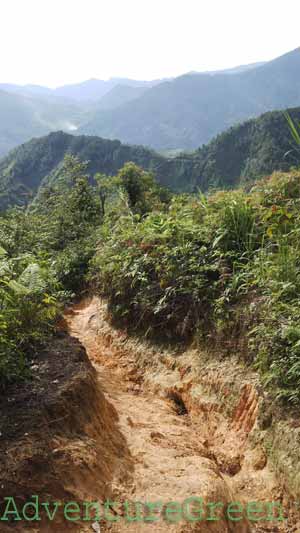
241, 154
174, 114
190, 110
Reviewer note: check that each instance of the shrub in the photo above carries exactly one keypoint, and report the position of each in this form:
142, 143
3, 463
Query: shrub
160, 271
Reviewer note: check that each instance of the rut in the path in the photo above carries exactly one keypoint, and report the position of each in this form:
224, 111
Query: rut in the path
169, 459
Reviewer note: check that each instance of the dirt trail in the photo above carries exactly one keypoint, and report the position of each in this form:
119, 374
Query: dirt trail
172, 457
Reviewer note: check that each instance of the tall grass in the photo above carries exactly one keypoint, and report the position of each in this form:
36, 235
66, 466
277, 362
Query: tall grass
237, 227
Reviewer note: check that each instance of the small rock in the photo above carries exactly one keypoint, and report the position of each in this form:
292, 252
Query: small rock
228, 463
96, 527
156, 435
260, 459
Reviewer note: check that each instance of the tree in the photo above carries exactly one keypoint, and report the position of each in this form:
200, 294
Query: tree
141, 188
106, 186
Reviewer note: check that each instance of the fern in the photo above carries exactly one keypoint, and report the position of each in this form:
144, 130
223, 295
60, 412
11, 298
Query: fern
17, 288
33, 279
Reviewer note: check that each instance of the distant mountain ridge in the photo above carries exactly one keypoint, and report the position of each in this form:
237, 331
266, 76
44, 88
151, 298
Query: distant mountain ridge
231, 70
119, 95
87, 91
94, 89
190, 110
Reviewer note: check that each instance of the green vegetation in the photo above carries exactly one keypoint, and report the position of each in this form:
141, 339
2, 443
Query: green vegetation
205, 269
28, 310
39, 162
44, 252
246, 152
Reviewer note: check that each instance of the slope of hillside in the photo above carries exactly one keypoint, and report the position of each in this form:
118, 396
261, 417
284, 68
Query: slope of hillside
190, 110
27, 90
16, 121
244, 153
118, 95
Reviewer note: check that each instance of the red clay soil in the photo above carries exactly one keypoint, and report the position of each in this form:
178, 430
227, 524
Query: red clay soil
104, 417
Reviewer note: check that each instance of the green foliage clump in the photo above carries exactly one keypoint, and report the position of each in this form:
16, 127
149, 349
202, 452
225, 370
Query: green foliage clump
28, 309
48, 246
70, 210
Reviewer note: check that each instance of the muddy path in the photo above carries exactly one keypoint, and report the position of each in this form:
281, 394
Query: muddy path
172, 456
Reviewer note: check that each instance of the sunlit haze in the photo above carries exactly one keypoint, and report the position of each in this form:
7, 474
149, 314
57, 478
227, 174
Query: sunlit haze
62, 41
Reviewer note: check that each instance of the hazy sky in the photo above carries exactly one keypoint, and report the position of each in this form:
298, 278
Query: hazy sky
54, 42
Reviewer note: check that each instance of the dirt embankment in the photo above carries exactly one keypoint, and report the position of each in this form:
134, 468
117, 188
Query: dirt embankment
60, 438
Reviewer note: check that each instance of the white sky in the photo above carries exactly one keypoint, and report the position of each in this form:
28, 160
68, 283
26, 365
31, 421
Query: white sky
54, 42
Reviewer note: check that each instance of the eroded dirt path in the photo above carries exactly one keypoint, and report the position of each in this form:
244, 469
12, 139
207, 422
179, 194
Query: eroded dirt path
172, 460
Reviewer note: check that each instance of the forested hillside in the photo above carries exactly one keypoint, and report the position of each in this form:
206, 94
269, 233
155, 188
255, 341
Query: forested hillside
190, 110
213, 277
45, 251
241, 154
246, 152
